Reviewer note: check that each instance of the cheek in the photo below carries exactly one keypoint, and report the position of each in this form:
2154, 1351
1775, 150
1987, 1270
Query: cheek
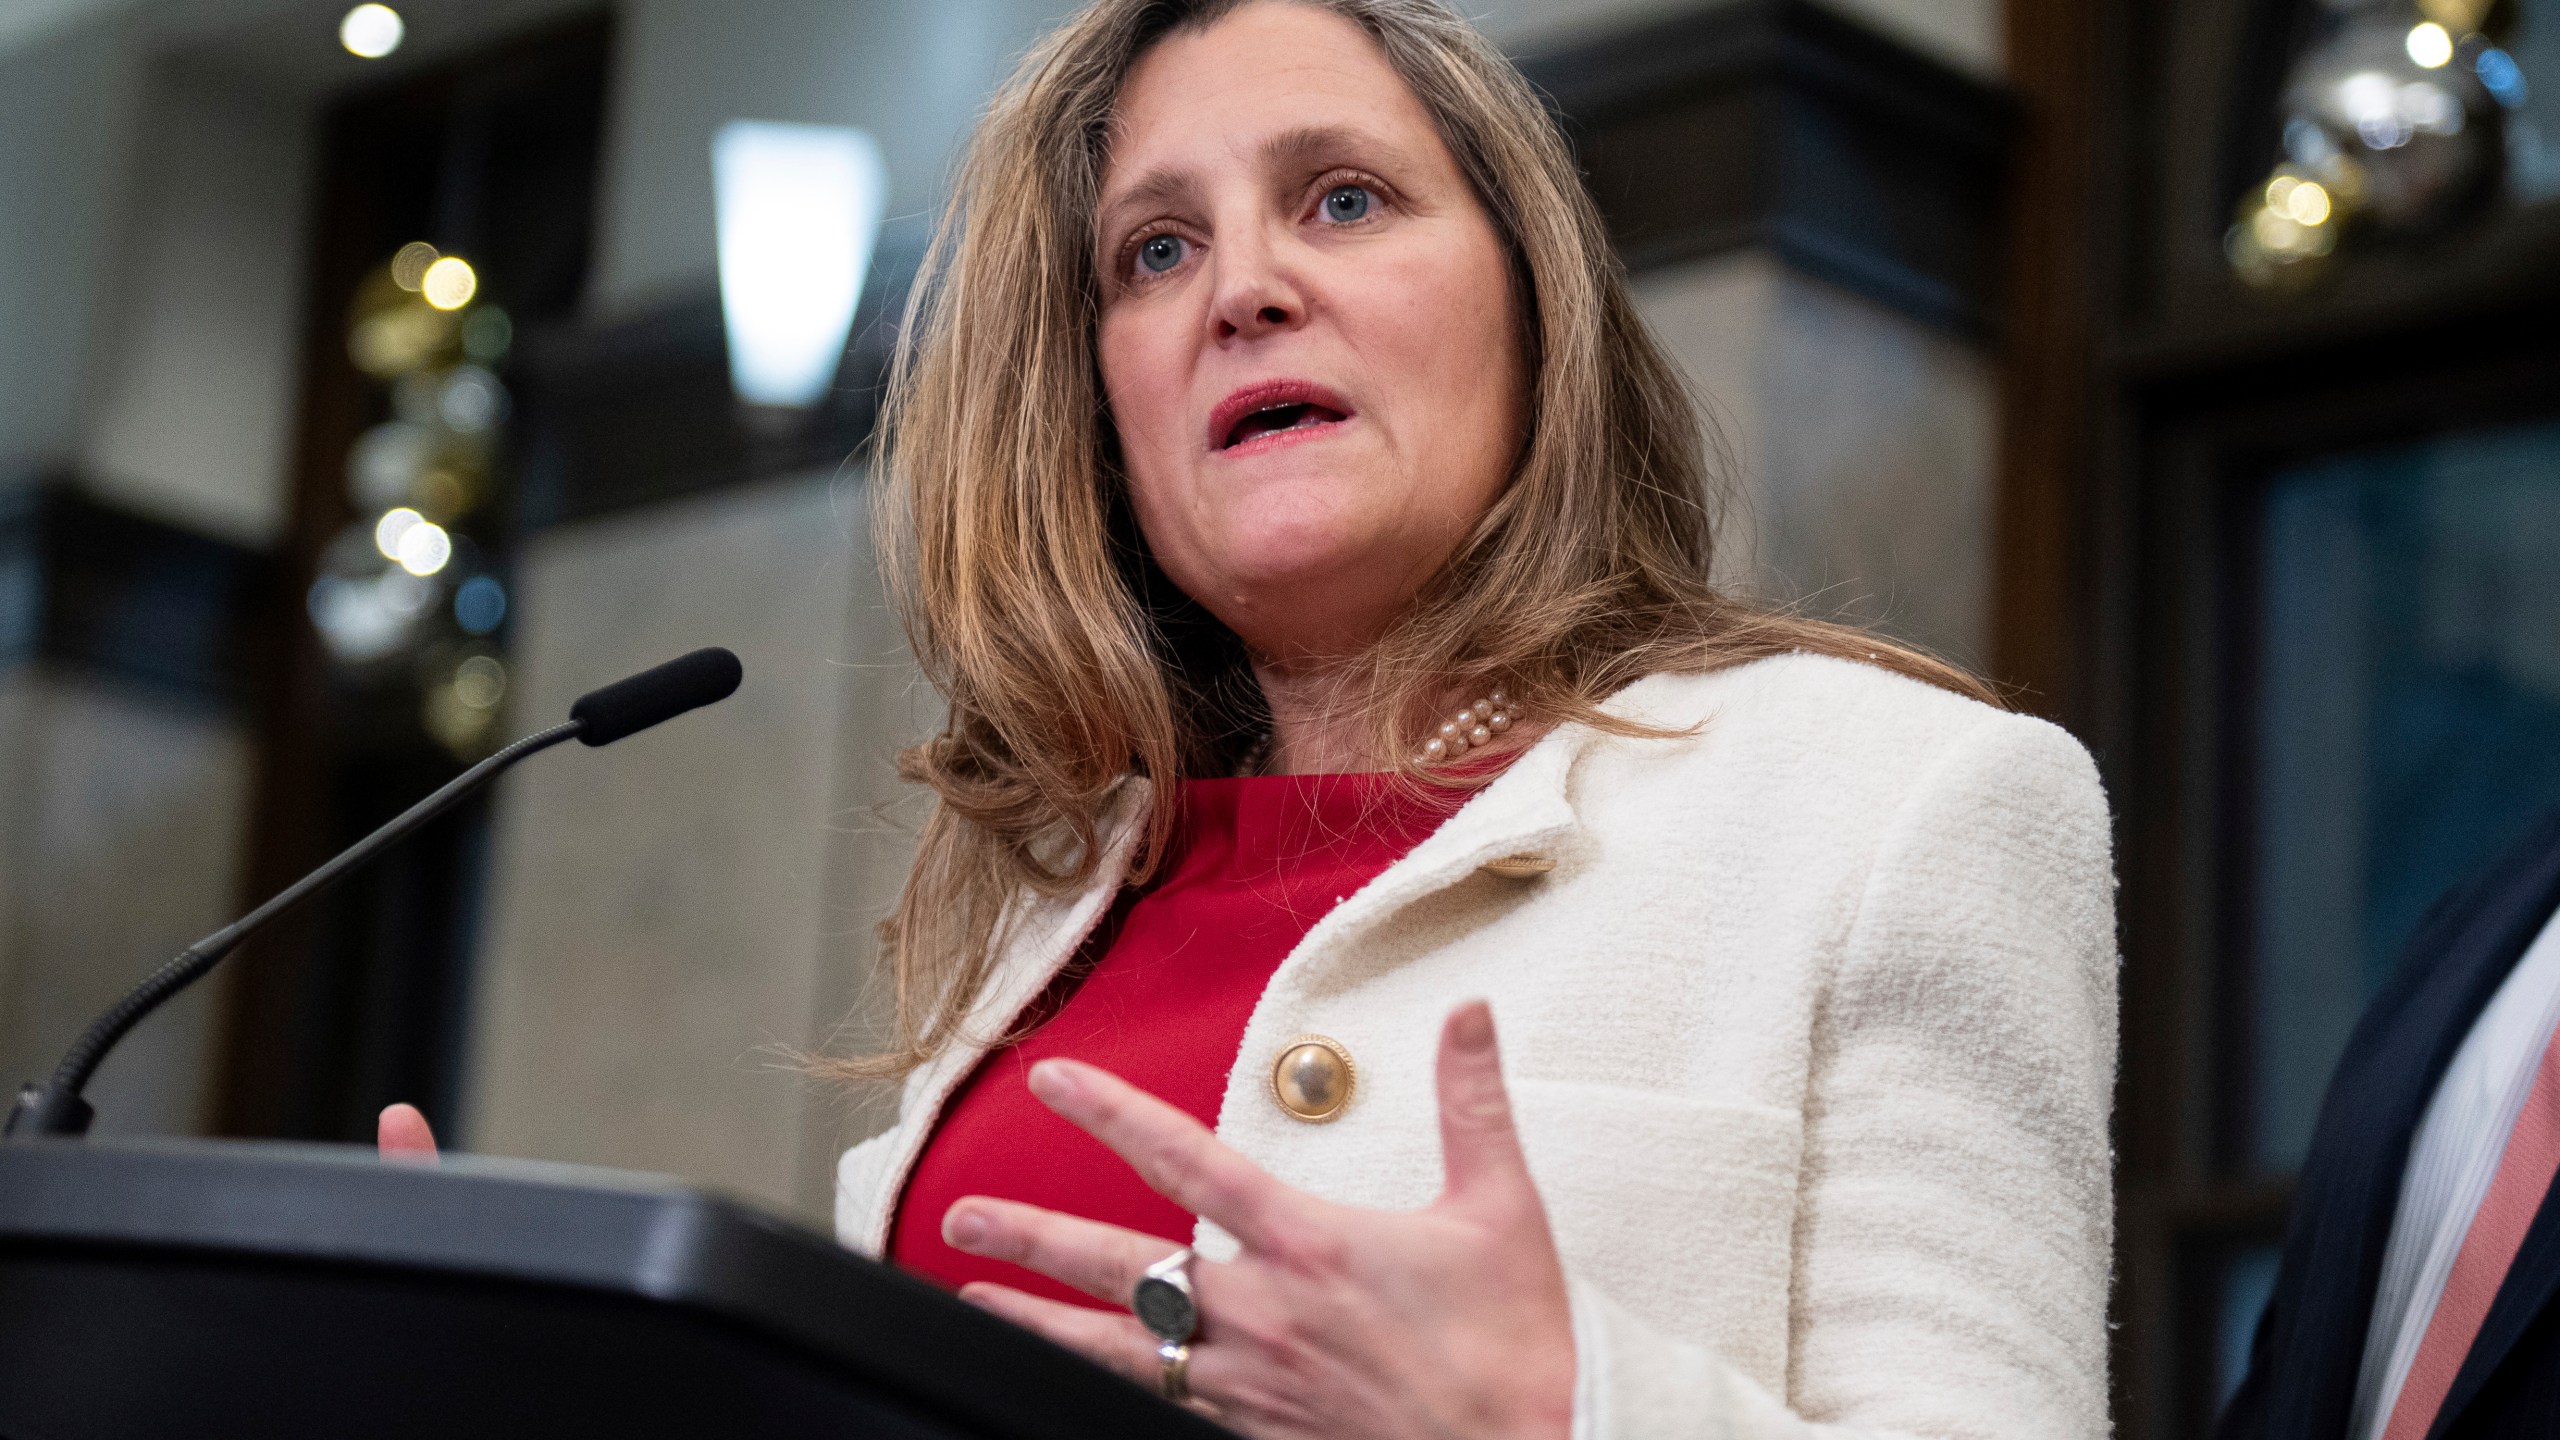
1143, 384
1447, 337
1143, 381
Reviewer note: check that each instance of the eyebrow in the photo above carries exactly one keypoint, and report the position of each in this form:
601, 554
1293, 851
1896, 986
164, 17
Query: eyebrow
1301, 147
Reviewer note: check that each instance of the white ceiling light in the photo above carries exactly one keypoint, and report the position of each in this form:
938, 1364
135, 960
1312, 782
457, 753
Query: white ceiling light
371, 31
799, 207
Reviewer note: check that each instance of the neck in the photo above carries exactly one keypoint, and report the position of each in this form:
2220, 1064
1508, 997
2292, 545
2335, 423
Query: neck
1314, 728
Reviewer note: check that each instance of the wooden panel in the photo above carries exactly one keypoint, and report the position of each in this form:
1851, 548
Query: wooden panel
1778, 123
125, 597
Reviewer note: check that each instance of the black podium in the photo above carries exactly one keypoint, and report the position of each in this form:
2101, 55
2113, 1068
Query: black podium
281, 1291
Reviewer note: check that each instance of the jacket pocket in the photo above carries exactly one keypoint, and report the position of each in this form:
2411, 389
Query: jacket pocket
1679, 1209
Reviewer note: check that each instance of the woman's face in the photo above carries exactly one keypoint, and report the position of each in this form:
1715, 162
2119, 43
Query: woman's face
1307, 331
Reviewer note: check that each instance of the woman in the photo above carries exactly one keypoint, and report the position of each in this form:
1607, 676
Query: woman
1272, 396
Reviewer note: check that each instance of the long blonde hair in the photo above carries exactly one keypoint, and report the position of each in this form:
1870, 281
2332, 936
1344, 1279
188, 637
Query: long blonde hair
1070, 663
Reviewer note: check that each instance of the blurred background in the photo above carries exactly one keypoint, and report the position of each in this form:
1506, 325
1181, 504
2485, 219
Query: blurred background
373, 381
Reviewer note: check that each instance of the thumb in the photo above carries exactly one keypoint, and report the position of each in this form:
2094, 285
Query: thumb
1479, 1148
402, 1134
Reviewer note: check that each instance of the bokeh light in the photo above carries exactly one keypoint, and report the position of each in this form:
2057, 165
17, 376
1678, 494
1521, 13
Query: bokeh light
480, 605
409, 267
2309, 203
487, 335
2430, 44
449, 283
371, 31
471, 401
388, 531
424, 548
384, 466
480, 682
460, 704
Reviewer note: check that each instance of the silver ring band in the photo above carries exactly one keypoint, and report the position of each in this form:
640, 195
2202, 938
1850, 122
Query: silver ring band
1175, 1378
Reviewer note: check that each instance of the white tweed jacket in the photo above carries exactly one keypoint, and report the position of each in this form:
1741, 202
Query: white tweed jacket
1810, 1033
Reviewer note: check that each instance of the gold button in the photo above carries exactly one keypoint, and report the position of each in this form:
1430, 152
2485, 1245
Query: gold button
1523, 866
1313, 1078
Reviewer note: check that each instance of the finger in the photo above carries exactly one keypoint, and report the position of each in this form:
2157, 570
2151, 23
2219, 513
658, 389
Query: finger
1479, 1145
402, 1134
1103, 1261
1176, 1155
1115, 1342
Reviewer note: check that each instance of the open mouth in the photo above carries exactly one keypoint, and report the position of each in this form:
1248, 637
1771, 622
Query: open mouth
1276, 418
1275, 412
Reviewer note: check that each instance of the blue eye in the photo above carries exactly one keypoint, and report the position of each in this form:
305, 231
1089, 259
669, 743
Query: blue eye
1159, 253
1345, 203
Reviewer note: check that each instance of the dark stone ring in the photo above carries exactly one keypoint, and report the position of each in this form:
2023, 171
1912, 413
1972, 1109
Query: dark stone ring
1163, 1301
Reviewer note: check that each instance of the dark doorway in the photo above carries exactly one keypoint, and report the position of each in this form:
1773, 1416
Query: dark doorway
360, 1000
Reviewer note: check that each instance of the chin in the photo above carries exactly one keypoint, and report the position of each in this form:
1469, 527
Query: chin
1301, 543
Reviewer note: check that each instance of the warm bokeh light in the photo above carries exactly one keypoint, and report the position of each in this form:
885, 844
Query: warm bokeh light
461, 710
392, 528
371, 31
449, 283
409, 267
480, 682
2430, 44
2308, 203
424, 548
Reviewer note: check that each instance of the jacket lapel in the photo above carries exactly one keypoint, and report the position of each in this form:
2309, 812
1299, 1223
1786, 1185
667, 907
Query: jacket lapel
1042, 936
2535, 1276
1523, 810
2350, 1189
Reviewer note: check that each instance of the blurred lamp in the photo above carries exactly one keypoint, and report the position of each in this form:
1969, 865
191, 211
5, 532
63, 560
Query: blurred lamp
799, 207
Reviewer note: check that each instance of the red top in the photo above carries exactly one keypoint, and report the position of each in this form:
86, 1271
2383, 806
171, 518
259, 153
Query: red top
1253, 865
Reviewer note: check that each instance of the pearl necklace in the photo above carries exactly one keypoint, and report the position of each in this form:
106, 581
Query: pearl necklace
1471, 728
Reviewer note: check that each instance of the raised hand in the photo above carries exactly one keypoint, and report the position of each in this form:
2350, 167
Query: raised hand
1449, 1321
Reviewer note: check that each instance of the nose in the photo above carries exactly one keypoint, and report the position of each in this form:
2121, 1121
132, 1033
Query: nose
1256, 294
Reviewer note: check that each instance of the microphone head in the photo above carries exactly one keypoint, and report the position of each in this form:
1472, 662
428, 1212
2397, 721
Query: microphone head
627, 707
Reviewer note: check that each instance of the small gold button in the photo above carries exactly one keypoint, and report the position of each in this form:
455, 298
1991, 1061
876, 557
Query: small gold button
1523, 866
1314, 1078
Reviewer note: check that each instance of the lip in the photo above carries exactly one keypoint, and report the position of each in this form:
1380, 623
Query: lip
1263, 394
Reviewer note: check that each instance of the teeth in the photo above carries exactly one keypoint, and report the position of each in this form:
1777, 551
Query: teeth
1301, 414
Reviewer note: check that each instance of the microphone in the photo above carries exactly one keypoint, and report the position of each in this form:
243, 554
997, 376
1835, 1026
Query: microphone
625, 707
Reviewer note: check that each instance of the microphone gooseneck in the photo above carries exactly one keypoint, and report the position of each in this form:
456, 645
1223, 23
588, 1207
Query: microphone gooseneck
600, 717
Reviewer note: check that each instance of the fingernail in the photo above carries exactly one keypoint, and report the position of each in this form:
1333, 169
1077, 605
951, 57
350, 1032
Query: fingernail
963, 1228
1052, 1081
1472, 1026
